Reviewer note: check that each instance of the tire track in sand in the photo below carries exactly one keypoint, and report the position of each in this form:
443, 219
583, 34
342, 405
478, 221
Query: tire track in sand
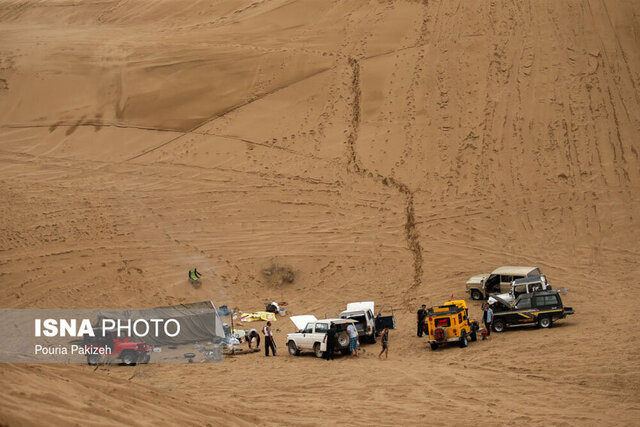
355, 166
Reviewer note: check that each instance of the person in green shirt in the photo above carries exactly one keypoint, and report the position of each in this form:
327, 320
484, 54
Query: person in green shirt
194, 275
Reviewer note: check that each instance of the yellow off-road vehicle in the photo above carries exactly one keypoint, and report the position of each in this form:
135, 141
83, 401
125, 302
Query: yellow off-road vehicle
450, 323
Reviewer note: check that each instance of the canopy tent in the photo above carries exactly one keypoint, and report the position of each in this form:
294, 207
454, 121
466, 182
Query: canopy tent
198, 321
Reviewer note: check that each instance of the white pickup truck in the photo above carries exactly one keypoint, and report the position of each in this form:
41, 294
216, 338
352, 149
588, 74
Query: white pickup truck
312, 335
368, 325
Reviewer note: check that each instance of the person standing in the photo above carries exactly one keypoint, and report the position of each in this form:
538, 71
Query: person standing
268, 340
422, 314
488, 319
385, 343
353, 339
331, 342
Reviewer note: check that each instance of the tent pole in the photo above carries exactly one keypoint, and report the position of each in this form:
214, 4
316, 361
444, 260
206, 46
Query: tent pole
233, 348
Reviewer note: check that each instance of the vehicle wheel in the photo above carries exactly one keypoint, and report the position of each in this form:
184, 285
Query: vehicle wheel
129, 357
316, 350
499, 325
434, 346
473, 335
146, 358
372, 338
476, 294
463, 340
93, 359
345, 352
545, 322
343, 340
293, 349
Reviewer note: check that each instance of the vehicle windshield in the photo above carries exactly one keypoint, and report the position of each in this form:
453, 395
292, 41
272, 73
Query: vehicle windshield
358, 316
523, 303
340, 327
500, 304
321, 327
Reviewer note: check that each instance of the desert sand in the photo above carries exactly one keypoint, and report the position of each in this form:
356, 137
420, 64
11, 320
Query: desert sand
383, 150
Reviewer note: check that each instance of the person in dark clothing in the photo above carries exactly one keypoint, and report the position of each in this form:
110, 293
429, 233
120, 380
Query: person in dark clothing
385, 344
251, 335
487, 317
422, 314
268, 340
331, 342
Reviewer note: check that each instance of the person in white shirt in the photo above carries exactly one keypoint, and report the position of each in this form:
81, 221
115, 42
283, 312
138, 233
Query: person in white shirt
353, 340
268, 340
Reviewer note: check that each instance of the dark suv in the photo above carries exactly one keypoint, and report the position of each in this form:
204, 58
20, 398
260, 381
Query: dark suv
540, 308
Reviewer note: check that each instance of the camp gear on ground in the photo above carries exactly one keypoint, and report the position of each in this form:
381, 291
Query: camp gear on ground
223, 310
272, 307
257, 316
238, 333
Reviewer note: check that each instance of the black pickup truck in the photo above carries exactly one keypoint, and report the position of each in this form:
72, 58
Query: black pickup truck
540, 308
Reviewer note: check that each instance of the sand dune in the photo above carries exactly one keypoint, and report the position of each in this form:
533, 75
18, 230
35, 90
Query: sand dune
383, 150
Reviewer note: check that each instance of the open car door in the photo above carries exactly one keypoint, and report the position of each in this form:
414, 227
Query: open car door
385, 318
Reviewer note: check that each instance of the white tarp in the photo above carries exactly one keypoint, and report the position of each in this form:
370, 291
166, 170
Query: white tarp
302, 320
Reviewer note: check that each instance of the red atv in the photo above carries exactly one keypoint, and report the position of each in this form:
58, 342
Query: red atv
106, 348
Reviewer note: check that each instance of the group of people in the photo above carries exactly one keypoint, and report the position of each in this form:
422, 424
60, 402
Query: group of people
253, 337
354, 346
332, 334
269, 343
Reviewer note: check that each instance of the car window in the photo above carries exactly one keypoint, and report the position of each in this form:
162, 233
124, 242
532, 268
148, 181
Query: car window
524, 303
443, 322
506, 279
322, 327
519, 290
308, 329
546, 300
551, 300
